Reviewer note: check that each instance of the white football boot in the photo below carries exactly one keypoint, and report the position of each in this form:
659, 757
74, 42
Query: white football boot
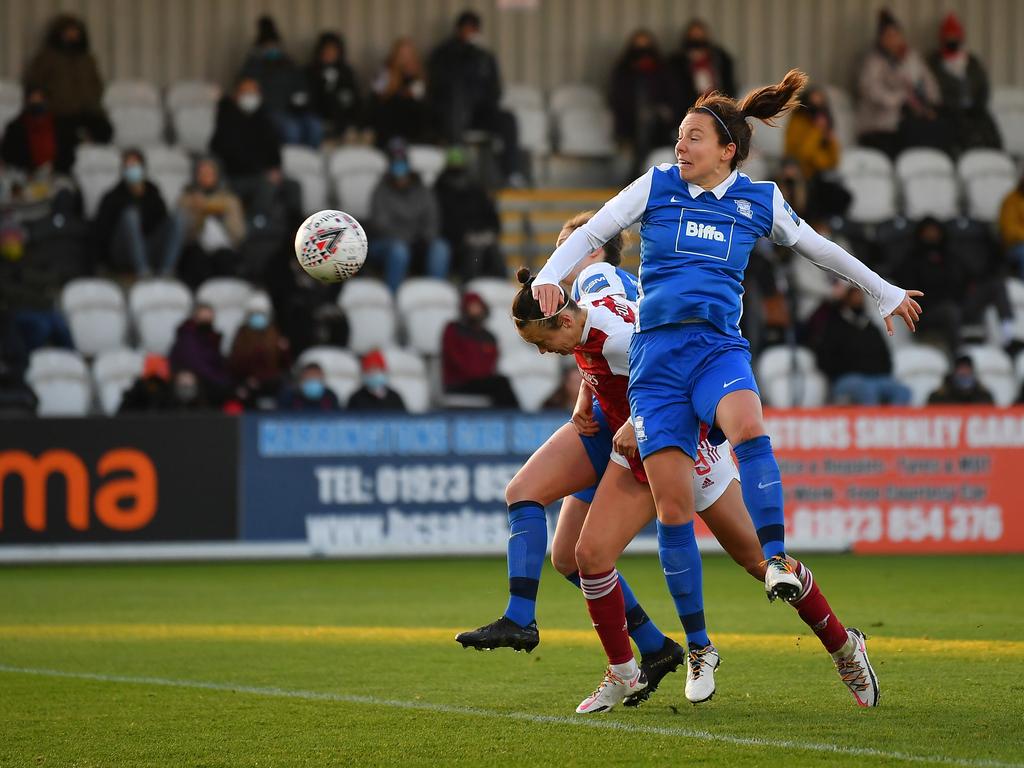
780, 580
700, 673
612, 691
855, 670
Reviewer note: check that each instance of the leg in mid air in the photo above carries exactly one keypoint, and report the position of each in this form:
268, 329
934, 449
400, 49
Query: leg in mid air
728, 520
557, 469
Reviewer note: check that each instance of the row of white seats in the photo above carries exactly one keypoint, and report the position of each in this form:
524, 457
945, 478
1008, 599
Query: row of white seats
789, 377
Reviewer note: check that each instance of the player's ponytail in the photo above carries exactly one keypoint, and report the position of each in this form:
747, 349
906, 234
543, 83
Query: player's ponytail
765, 104
526, 309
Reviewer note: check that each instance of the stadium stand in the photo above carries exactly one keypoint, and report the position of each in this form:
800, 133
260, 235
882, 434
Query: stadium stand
533, 377
407, 374
426, 306
355, 172
306, 167
341, 369
370, 311
921, 368
868, 175
60, 380
228, 296
96, 313
788, 376
113, 373
157, 308
928, 183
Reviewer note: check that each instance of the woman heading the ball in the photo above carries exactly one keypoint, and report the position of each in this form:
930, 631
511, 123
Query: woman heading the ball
689, 363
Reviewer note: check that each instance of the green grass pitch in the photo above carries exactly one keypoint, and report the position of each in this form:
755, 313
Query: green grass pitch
353, 663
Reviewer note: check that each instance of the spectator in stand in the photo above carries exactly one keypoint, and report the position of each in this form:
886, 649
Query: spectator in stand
769, 294
36, 141
469, 219
793, 185
464, 91
564, 398
259, 358
469, 356
964, 88
961, 386
640, 98
398, 104
306, 309
898, 95
333, 88
310, 392
375, 394
188, 392
197, 348
249, 148
699, 66
404, 217
66, 70
855, 357
283, 86
215, 225
16, 397
1011, 227
132, 230
152, 390
812, 143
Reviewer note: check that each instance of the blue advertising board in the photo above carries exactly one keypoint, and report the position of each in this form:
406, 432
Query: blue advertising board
383, 484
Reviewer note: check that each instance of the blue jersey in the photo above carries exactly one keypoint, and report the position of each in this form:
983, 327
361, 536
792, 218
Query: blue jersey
601, 278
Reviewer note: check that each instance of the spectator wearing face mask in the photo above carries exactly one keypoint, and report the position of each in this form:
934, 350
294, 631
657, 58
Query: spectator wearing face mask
334, 91
215, 225
259, 357
469, 220
812, 143
133, 230
469, 356
152, 390
963, 84
961, 386
405, 219
197, 348
398, 104
36, 140
310, 392
283, 86
188, 393
640, 98
375, 394
699, 66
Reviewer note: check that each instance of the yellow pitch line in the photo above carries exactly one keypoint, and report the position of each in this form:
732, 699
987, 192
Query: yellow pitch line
292, 633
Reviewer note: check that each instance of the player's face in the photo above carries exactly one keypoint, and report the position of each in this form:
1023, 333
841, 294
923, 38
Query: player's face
561, 340
699, 155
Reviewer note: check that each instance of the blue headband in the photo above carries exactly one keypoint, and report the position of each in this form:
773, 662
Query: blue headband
720, 122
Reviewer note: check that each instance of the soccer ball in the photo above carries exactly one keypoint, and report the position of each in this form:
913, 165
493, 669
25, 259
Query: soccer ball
330, 246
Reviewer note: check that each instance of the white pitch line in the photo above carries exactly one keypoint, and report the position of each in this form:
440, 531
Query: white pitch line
580, 722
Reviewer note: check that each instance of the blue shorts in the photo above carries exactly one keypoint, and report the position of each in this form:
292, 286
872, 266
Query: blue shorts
599, 448
677, 375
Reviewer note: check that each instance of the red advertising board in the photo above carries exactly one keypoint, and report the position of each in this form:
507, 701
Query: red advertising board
900, 480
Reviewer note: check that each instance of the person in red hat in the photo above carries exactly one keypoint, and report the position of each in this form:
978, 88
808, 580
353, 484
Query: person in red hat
965, 89
375, 394
469, 356
152, 390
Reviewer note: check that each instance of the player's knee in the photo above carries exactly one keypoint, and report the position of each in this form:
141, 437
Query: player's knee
592, 557
564, 562
674, 510
747, 429
517, 490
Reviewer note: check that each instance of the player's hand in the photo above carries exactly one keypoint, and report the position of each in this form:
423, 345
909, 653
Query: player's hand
624, 441
908, 309
583, 419
549, 297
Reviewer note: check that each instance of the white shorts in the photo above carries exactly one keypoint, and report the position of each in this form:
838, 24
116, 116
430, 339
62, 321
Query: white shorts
712, 473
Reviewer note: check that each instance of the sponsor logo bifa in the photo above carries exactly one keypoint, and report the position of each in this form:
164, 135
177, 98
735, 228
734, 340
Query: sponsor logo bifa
123, 498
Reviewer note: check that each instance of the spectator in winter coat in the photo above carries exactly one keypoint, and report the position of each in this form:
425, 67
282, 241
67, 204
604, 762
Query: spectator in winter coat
404, 218
963, 84
398, 105
152, 390
961, 386
197, 348
469, 220
333, 87
36, 140
259, 357
699, 66
66, 69
215, 225
375, 394
310, 392
133, 230
1011, 227
469, 356
854, 356
640, 98
811, 141
283, 86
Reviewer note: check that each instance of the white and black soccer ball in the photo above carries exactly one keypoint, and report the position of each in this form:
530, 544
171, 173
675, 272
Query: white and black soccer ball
330, 246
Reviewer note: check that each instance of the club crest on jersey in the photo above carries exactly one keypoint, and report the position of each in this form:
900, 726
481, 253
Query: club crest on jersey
638, 428
744, 209
705, 233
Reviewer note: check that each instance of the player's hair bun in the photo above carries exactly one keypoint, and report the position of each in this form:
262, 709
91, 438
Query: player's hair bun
524, 276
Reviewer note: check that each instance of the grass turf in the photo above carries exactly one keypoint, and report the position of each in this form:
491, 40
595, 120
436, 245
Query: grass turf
332, 663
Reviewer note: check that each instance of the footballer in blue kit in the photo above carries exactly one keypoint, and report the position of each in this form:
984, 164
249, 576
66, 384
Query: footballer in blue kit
699, 220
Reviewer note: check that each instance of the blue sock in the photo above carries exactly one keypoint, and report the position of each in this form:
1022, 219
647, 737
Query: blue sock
645, 633
761, 484
527, 544
681, 564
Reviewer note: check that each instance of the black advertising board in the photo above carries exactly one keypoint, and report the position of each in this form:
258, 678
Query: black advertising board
133, 478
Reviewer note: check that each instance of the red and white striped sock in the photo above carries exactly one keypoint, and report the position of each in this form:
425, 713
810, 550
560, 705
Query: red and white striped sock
608, 613
817, 613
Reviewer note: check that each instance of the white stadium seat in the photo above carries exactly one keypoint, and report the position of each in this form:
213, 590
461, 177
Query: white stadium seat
1007, 105
407, 375
843, 119
921, 368
521, 95
228, 296
769, 140
10, 102
868, 175
1007, 97
426, 305
534, 377
120, 93
788, 377
96, 170
813, 285
994, 370
534, 129
370, 309
185, 93
929, 183
306, 167
95, 309
60, 381
170, 169
341, 369
137, 125
756, 168
427, 161
985, 162
356, 172
158, 307
585, 132
193, 126
113, 373
497, 294
575, 95
666, 154
987, 176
